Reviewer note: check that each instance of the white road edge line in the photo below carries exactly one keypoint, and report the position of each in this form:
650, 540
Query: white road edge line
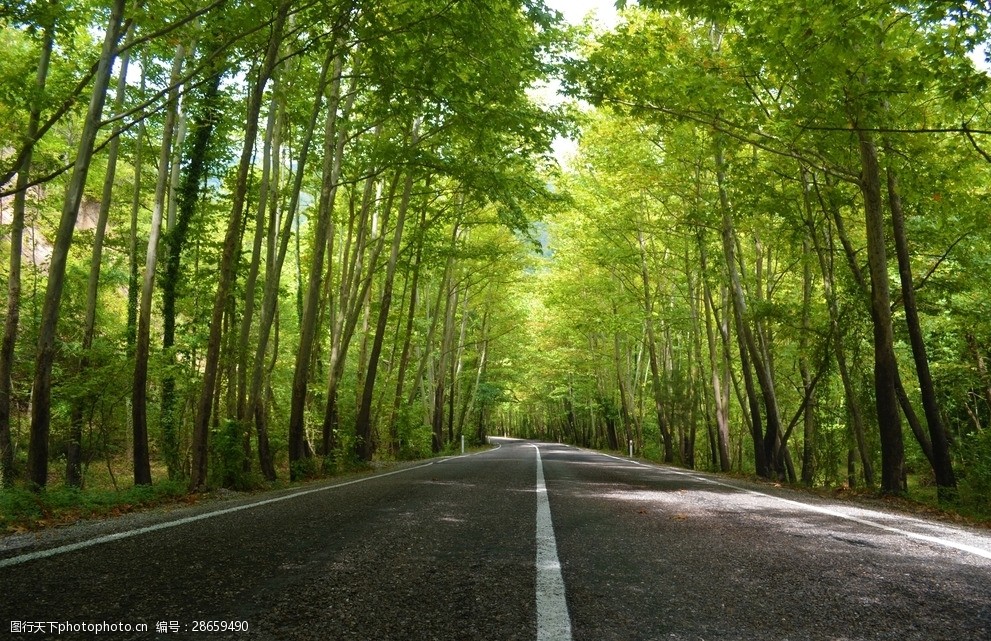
962, 547
460, 456
553, 620
72, 547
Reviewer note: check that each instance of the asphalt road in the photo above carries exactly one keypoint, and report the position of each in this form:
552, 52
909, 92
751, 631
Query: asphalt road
465, 548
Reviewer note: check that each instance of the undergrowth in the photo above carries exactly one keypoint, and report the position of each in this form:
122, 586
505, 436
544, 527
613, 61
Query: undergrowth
21, 509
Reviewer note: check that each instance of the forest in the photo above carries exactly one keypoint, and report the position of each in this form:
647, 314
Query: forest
249, 242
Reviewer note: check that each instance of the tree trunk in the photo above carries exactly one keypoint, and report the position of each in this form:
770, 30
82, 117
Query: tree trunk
457, 364
808, 436
139, 399
718, 365
334, 141
469, 401
42, 386
912, 418
256, 402
187, 200
432, 330
447, 341
885, 365
941, 461
132, 238
355, 283
655, 375
363, 425
624, 405
14, 274
394, 443
269, 181
228, 261
763, 444
851, 255
857, 422
73, 465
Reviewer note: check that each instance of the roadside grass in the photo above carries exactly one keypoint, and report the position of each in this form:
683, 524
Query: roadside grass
921, 499
22, 509
970, 507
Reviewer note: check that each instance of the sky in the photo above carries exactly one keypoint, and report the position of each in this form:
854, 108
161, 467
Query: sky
575, 10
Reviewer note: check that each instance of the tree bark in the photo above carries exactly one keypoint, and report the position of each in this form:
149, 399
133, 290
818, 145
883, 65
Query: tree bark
885, 365
42, 386
363, 424
12, 322
139, 398
228, 262
940, 446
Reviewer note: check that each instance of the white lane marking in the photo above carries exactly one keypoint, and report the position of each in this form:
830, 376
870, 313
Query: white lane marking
956, 545
72, 547
553, 621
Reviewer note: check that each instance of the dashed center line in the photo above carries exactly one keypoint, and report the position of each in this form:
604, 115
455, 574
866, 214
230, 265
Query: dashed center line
553, 620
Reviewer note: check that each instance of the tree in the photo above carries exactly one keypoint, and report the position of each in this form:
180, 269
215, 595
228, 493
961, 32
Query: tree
41, 391
16, 249
227, 269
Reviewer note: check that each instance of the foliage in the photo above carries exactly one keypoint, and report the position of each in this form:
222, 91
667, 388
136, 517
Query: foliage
21, 508
694, 281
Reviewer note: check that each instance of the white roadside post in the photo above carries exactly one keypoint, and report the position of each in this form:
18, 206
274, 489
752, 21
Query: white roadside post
631, 448
462, 443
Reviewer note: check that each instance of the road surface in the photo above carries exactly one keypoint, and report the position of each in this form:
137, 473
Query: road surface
505, 545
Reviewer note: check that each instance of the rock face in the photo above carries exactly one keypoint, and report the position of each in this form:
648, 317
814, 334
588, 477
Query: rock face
36, 249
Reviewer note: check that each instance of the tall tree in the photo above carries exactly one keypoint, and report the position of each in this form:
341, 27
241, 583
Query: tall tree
139, 392
363, 426
12, 321
73, 473
42, 387
174, 241
335, 139
942, 464
227, 267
